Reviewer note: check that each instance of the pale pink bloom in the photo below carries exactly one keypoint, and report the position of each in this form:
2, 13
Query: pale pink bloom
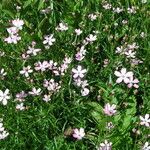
4, 96
18, 23
145, 121
79, 73
12, 39
25, 56
35, 91
85, 91
12, 30
130, 54
78, 31
62, 27
51, 85
109, 110
32, 50
123, 75
49, 40
91, 38
20, 96
146, 146
20, 106
133, 82
79, 56
26, 71
78, 133
105, 146
43, 66
47, 98
132, 46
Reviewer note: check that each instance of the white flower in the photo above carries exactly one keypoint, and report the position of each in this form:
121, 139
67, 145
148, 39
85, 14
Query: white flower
35, 91
145, 121
105, 146
49, 40
130, 54
32, 50
78, 133
4, 96
47, 98
26, 71
92, 17
133, 82
12, 39
78, 31
118, 10
123, 75
12, 30
2, 72
41, 66
3, 135
62, 27
20, 106
18, 23
146, 146
85, 91
109, 109
79, 73
1, 127
91, 38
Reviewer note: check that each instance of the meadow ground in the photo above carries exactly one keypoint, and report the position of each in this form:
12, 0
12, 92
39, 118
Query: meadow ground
74, 75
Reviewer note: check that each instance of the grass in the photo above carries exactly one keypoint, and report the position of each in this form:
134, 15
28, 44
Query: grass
48, 125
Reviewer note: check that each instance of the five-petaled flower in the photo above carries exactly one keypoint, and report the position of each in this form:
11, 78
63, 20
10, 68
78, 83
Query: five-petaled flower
78, 133
4, 96
123, 75
79, 73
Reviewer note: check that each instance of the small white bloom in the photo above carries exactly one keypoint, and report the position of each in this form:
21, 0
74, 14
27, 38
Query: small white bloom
47, 98
79, 73
4, 96
123, 75
105, 146
18, 23
85, 91
92, 17
20, 106
49, 40
78, 31
35, 91
146, 146
62, 27
26, 71
78, 133
145, 121
91, 38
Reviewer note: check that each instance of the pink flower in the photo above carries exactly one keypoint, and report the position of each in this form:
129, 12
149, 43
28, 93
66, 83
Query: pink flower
78, 73
109, 110
133, 82
123, 75
105, 146
26, 71
78, 133
18, 23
